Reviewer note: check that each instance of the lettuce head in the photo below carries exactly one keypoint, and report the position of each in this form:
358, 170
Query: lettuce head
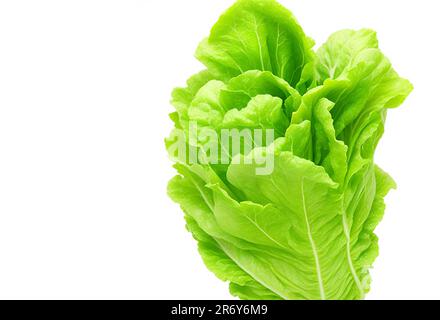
274, 148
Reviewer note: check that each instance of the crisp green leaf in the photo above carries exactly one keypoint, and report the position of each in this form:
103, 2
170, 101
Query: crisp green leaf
313, 119
256, 35
338, 54
262, 112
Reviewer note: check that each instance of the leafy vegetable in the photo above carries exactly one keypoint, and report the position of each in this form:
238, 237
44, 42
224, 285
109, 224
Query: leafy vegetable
303, 230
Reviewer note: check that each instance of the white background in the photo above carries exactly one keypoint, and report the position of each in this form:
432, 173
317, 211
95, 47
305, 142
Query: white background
84, 90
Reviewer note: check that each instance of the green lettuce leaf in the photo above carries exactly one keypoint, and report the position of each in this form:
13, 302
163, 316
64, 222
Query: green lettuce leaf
256, 35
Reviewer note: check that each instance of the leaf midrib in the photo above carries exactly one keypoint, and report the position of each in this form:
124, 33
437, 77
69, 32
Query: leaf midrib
312, 243
310, 236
